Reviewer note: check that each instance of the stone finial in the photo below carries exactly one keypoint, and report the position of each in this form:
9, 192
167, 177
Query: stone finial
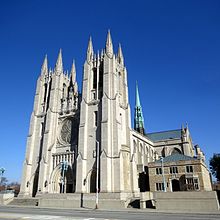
59, 63
44, 68
102, 53
109, 46
90, 51
120, 56
73, 73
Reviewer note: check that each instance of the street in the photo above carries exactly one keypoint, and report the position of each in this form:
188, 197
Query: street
7, 212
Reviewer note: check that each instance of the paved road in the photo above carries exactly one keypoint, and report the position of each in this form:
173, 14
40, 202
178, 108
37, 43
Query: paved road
23, 213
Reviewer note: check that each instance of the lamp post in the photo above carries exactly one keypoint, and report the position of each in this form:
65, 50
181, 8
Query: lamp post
2, 170
97, 175
164, 181
64, 167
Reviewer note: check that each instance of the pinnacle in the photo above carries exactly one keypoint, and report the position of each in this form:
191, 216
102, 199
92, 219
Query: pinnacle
109, 46
120, 55
73, 73
90, 50
59, 63
44, 68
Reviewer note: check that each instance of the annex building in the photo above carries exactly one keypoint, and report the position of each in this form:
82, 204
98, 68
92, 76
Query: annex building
79, 141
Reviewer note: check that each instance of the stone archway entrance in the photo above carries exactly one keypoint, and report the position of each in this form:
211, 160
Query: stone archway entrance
175, 185
69, 181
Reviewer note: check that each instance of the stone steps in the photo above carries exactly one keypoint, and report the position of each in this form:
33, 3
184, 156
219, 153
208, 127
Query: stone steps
24, 202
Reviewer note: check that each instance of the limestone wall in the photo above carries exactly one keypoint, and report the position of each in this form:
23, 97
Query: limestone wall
187, 201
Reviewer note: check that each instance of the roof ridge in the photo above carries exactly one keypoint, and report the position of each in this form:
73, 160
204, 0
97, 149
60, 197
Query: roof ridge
163, 131
176, 157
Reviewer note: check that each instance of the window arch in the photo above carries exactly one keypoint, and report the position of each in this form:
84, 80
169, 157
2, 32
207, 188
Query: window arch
163, 152
134, 146
176, 151
146, 150
141, 148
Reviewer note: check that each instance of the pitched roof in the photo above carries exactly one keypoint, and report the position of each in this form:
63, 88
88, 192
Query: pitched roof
175, 158
164, 135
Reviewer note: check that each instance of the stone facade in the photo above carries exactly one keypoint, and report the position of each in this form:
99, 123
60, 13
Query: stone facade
71, 133
183, 174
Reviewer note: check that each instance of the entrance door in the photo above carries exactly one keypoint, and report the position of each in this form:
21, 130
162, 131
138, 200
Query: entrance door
93, 182
175, 185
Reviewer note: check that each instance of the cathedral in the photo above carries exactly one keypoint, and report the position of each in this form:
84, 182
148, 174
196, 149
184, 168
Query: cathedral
83, 143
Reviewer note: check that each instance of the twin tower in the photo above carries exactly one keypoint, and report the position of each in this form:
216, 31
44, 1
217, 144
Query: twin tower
69, 131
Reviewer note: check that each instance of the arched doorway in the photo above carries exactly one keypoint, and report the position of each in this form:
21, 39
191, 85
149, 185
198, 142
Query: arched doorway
57, 180
69, 181
175, 185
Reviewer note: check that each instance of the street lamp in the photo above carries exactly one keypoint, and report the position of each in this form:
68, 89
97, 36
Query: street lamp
2, 170
97, 175
64, 167
164, 181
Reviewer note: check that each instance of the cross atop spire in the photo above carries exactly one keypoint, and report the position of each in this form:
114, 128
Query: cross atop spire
108, 45
44, 68
138, 119
90, 51
59, 63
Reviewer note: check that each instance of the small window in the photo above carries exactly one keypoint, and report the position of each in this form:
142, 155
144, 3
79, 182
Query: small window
41, 133
192, 184
159, 171
95, 118
173, 170
94, 85
93, 95
189, 169
189, 184
160, 186
196, 184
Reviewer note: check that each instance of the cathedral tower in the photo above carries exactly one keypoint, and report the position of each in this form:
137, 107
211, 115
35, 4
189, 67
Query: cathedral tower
53, 133
104, 123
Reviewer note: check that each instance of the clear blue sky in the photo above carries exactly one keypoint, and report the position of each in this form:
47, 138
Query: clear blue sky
171, 47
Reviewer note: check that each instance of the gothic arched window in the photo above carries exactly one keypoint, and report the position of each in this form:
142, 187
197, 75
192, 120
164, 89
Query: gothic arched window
176, 151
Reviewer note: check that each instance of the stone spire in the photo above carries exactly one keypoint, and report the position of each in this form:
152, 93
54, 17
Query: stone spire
59, 63
73, 73
137, 100
44, 68
109, 46
98, 58
138, 119
90, 51
120, 57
